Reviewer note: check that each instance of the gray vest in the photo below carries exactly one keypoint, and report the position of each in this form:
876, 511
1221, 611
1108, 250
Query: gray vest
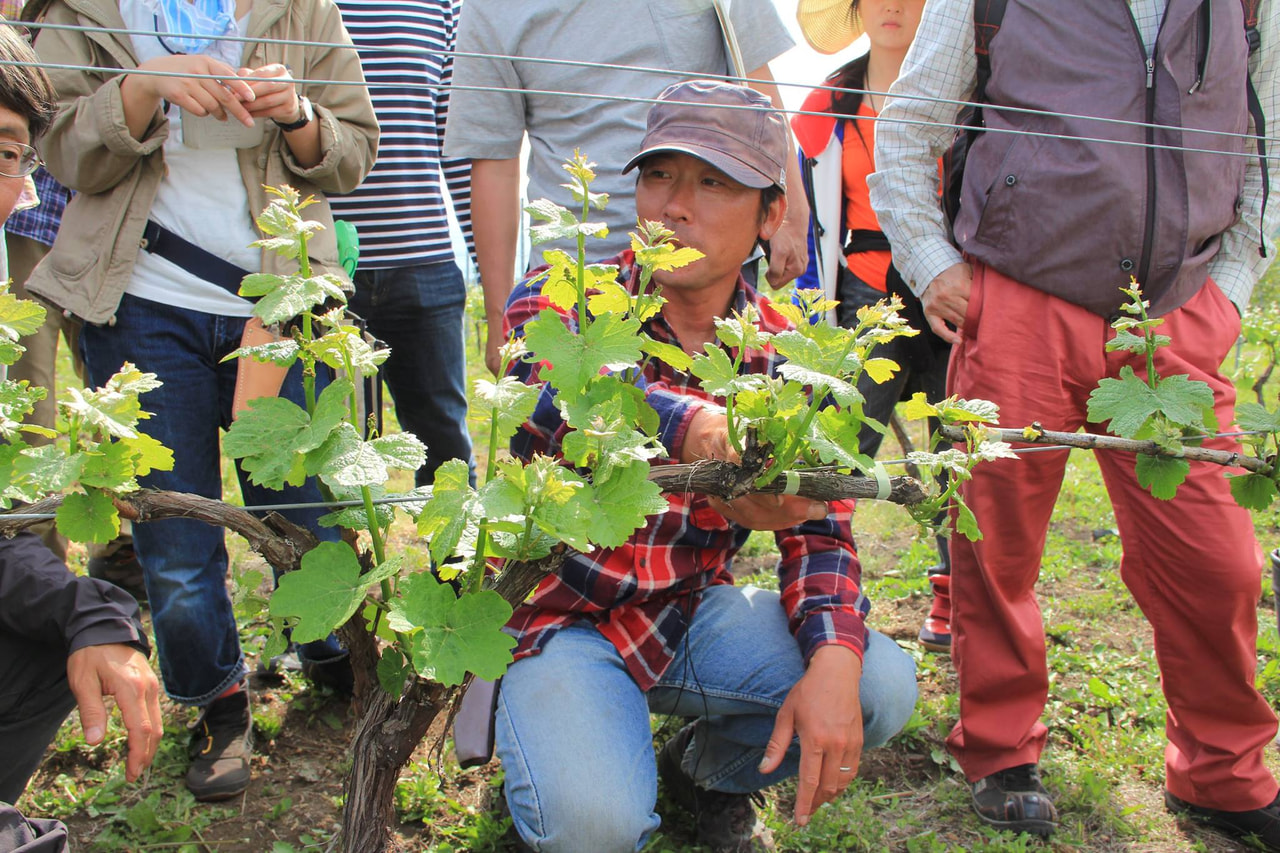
1077, 218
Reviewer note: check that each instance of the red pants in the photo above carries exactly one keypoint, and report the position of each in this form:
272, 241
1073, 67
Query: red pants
1191, 564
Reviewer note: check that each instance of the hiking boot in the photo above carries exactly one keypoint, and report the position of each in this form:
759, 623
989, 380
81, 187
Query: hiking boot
334, 673
221, 743
1014, 799
935, 634
1261, 824
727, 823
120, 567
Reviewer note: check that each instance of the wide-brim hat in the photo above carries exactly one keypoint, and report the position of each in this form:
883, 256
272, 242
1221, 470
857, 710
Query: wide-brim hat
829, 26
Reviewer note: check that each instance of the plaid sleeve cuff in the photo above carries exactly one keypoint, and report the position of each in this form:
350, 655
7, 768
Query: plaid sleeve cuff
675, 413
844, 627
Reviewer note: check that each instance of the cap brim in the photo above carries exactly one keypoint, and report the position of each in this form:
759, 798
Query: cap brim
746, 175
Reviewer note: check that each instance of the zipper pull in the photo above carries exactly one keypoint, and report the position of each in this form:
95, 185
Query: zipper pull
1151, 72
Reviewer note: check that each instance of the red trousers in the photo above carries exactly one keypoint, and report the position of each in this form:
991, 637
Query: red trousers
1192, 564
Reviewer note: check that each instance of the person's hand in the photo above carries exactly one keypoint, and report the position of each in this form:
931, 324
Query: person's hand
120, 671
708, 438
788, 251
945, 300
824, 710
220, 95
276, 98
493, 344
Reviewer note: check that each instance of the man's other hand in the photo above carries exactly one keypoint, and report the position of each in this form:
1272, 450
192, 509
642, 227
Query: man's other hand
946, 299
824, 710
708, 438
94, 672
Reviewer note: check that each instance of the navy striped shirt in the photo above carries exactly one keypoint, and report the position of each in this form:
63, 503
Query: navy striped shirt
399, 210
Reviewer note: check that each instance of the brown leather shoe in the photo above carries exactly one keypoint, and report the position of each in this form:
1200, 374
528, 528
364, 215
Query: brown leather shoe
727, 823
1014, 799
1262, 825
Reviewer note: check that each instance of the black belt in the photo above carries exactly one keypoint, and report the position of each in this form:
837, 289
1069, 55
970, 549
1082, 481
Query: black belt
162, 242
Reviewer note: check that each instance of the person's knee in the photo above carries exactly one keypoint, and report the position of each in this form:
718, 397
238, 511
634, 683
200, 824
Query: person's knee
888, 689
596, 820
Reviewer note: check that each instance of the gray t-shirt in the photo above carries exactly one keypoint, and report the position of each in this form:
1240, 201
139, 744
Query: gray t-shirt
489, 122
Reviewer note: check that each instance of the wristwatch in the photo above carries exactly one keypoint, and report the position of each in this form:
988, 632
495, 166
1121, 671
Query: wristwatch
305, 115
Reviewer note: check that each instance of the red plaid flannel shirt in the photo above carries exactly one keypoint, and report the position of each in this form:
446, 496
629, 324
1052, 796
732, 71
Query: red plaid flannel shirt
642, 595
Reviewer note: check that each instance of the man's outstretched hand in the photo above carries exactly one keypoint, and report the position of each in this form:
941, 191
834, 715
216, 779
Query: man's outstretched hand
708, 438
94, 672
823, 708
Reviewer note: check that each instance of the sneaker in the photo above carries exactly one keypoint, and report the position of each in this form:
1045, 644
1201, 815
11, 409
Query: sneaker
1262, 825
120, 567
221, 743
727, 823
1014, 799
935, 634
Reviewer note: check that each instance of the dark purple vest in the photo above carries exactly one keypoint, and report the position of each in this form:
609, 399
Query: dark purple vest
1076, 218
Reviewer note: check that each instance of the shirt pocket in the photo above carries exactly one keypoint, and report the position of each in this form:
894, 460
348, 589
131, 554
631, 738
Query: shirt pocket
689, 36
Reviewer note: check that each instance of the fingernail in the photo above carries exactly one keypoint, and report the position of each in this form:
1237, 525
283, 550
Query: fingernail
764, 761
93, 734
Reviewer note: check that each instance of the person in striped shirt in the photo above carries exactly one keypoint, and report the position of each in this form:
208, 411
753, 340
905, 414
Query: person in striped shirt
408, 286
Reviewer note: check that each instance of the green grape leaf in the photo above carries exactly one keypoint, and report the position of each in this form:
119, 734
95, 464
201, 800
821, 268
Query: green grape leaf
611, 298
1161, 475
1252, 491
1128, 342
110, 467
967, 523
112, 409
609, 343
678, 359
458, 635
90, 516
355, 517
295, 295
148, 454
835, 439
719, 379
17, 399
666, 257
513, 401
48, 467
283, 352
272, 435
560, 223
617, 507
449, 511
740, 330
401, 450
1254, 417
393, 671
276, 643
880, 370
844, 393
353, 461
18, 317
326, 591
1127, 402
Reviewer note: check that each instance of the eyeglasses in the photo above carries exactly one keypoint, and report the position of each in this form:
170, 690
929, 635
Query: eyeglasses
18, 160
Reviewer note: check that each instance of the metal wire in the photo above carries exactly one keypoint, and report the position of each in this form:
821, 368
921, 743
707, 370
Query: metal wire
639, 69
651, 100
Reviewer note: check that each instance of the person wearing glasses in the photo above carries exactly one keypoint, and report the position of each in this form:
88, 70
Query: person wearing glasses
64, 640
168, 149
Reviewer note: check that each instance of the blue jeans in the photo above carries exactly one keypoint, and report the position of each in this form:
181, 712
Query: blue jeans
417, 311
573, 732
184, 561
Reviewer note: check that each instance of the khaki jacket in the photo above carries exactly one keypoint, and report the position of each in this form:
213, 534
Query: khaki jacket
89, 148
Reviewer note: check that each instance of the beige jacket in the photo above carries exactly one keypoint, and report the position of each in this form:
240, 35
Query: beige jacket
116, 177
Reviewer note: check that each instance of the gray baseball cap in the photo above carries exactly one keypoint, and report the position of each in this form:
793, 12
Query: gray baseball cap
747, 141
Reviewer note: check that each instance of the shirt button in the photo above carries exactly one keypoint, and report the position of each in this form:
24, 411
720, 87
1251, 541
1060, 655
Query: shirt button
1010, 180
1126, 265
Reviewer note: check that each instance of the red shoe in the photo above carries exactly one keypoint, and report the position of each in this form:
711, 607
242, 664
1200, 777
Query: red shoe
935, 634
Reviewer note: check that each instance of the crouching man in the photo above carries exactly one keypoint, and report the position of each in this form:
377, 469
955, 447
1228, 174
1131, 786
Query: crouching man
774, 685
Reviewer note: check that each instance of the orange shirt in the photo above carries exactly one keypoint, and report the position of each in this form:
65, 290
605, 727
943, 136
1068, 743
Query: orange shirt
858, 160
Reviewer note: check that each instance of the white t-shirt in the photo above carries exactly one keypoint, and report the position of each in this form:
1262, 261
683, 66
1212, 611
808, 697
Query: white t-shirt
202, 197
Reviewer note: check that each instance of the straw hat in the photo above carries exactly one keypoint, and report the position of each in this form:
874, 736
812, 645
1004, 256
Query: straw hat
829, 26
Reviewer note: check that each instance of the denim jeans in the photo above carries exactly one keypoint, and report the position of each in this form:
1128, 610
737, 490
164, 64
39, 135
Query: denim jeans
417, 311
573, 732
184, 561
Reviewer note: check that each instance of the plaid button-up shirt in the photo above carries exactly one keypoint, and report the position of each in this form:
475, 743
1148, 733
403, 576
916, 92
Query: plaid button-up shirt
642, 595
